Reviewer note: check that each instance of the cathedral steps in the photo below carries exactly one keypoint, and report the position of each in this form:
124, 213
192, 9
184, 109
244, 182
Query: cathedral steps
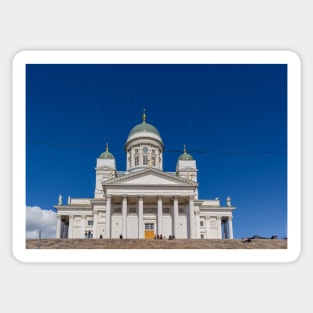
156, 244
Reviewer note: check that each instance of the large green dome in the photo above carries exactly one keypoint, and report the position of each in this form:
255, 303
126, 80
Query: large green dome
106, 154
144, 127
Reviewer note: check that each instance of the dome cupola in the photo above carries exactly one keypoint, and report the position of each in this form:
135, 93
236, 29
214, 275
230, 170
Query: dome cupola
144, 129
144, 146
185, 155
106, 154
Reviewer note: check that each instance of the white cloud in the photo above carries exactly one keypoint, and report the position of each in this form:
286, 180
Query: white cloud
39, 219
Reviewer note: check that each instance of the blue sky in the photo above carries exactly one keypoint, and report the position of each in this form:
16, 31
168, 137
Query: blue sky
232, 118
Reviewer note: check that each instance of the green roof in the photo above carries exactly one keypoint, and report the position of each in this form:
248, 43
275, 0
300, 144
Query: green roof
144, 127
106, 154
185, 155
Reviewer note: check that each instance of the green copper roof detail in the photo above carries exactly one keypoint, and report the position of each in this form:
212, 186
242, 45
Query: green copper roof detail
185, 155
144, 127
106, 154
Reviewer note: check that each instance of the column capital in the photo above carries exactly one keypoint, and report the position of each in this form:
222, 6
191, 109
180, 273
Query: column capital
124, 196
140, 197
191, 197
108, 197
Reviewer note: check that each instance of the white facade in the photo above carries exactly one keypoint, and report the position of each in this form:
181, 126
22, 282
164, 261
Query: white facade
144, 202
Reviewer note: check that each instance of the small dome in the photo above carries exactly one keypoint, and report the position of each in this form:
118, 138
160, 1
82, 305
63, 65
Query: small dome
106, 154
185, 155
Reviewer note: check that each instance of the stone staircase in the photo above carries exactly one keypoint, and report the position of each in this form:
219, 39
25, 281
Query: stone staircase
156, 244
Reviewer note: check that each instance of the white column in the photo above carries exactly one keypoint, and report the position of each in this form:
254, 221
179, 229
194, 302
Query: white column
58, 233
175, 217
108, 218
230, 227
160, 216
207, 226
219, 227
95, 223
225, 230
70, 226
197, 223
83, 225
124, 216
191, 218
140, 217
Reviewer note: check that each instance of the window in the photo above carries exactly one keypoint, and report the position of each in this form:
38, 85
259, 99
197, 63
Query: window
153, 161
201, 223
90, 223
118, 210
145, 160
136, 160
149, 226
153, 151
136, 150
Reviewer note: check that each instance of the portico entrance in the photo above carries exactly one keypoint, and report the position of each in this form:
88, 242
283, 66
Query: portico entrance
149, 230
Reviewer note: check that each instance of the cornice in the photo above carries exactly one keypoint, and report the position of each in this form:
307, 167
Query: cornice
118, 180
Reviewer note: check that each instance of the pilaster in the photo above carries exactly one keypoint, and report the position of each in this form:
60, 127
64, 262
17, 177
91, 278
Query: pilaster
175, 217
219, 227
70, 226
191, 218
140, 217
230, 227
83, 225
160, 215
95, 223
58, 232
124, 216
108, 218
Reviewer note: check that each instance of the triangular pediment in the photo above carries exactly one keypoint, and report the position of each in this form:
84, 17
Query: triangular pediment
150, 176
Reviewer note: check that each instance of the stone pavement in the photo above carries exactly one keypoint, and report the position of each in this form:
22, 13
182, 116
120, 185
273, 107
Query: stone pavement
156, 244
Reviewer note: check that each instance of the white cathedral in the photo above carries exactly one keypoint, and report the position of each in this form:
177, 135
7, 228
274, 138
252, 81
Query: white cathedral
144, 202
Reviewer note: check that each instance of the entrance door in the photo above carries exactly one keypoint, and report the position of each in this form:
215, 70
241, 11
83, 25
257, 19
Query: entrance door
149, 230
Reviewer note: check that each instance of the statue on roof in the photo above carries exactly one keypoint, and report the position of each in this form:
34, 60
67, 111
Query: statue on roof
60, 200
